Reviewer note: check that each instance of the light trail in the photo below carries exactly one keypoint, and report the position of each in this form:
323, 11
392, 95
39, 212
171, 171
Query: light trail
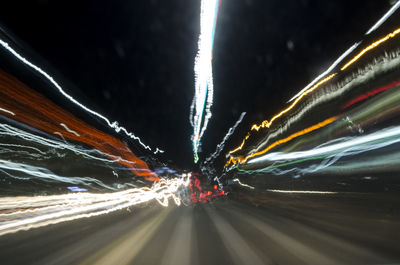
327, 152
242, 184
47, 76
241, 145
33, 109
370, 47
68, 129
42, 174
7, 111
384, 18
303, 191
388, 62
23, 213
52, 145
371, 94
200, 110
342, 146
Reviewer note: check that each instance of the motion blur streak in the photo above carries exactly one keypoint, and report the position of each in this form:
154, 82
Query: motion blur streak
23, 213
303, 191
31, 108
113, 125
203, 97
371, 94
7, 111
370, 47
243, 184
351, 145
53, 145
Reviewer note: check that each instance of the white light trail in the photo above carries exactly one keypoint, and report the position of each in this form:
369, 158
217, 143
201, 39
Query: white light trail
23, 213
39, 173
7, 111
384, 18
113, 125
8, 130
352, 145
68, 129
200, 110
303, 191
243, 184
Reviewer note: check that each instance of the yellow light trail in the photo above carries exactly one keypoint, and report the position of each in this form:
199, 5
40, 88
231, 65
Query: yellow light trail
370, 47
285, 140
240, 146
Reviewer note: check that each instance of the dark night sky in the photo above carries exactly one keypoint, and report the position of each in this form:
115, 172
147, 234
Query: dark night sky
133, 60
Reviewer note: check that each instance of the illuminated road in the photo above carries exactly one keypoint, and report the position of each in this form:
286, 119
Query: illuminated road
343, 228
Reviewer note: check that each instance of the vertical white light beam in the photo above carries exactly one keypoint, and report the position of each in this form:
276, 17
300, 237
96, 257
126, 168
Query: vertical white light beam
200, 110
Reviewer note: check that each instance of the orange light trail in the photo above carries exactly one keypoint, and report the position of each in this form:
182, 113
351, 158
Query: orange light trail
285, 140
29, 107
370, 47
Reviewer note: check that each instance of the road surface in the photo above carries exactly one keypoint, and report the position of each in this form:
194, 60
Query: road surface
352, 228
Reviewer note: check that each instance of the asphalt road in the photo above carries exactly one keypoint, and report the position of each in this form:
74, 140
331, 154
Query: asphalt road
266, 229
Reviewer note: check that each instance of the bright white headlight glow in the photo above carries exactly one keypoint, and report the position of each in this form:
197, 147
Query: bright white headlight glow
200, 110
